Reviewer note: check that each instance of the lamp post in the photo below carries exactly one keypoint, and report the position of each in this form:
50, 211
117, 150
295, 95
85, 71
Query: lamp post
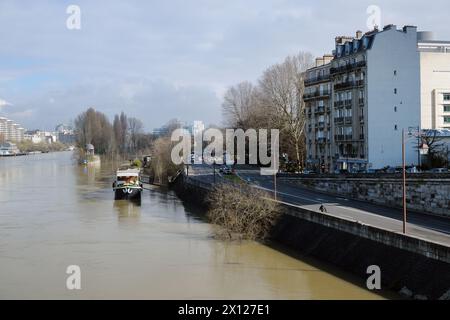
404, 180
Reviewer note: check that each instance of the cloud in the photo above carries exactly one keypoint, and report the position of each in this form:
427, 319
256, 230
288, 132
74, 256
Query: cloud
4, 103
168, 59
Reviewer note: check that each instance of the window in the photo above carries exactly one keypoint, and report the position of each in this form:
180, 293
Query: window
395, 91
446, 120
395, 109
446, 96
395, 128
447, 108
395, 72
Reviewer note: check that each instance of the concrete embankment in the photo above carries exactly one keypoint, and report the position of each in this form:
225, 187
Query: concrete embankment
416, 267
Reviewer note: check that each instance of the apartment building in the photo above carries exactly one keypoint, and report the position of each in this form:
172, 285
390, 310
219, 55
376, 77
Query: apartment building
434, 81
317, 97
10, 131
375, 94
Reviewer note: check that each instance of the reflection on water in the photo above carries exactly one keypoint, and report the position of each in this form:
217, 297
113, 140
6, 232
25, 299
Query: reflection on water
54, 213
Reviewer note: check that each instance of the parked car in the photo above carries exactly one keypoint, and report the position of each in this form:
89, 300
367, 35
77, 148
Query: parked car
225, 170
438, 170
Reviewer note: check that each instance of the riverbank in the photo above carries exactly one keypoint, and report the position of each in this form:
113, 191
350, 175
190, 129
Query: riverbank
417, 268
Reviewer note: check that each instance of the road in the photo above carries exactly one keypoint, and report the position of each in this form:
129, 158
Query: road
420, 225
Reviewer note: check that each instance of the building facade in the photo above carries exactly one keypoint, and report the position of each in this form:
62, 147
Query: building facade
374, 80
10, 131
434, 81
317, 97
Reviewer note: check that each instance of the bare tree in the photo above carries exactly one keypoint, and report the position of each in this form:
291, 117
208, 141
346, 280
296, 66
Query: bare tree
242, 108
437, 156
135, 129
282, 88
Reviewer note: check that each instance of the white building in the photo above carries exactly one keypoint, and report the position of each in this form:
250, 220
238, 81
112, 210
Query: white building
375, 94
393, 96
434, 81
10, 131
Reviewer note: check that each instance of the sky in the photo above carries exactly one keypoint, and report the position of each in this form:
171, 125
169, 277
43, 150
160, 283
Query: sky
160, 60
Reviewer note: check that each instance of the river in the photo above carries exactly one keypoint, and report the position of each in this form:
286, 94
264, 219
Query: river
55, 213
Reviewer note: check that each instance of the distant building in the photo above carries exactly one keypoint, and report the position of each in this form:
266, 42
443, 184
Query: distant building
10, 131
37, 136
65, 134
434, 81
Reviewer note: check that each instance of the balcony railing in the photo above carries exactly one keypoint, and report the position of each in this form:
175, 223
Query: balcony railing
348, 67
339, 120
361, 101
316, 94
348, 84
348, 120
361, 137
317, 79
343, 137
320, 110
338, 104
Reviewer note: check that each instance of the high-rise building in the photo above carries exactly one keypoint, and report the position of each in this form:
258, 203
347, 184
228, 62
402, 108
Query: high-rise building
10, 131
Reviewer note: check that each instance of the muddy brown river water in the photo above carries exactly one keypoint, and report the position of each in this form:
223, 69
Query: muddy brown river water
54, 213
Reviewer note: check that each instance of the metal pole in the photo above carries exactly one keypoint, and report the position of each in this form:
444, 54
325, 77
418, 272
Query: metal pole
418, 147
404, 181
275, 185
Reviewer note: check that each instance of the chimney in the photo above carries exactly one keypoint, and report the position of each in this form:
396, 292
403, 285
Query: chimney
359, 34
319, 62
327, 58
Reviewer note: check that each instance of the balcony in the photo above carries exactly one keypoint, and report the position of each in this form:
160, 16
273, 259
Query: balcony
318, 79
338, 104
348, 103
339, 120
348, 85
348, 67
343, 137
320, 110
361, 119
321, 125
361, 137
316, 94
348, 120
361, 101
321, 140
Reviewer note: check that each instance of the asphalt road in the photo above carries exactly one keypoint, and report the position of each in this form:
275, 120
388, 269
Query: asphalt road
420, 225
